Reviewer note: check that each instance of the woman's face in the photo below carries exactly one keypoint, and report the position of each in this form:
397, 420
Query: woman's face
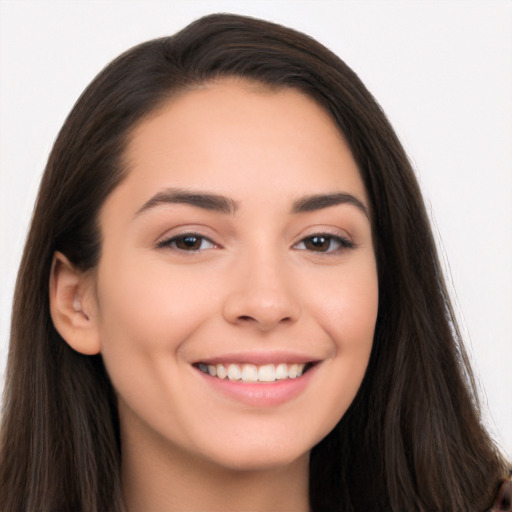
238, 244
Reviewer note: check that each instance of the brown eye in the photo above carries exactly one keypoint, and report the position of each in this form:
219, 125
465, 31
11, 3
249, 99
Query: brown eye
324, 243
187, 242
318, 243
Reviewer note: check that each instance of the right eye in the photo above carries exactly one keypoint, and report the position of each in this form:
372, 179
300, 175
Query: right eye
189, 242
324, 243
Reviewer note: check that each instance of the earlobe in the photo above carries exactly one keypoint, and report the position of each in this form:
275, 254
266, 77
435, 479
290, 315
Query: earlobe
72, 306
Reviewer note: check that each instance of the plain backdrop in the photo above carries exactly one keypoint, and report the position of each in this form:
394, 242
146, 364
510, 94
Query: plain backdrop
442, 71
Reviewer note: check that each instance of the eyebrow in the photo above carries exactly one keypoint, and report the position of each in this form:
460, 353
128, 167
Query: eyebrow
199, 199
320, 201
223, 204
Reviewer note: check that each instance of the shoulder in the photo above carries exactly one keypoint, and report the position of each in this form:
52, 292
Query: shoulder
503, 501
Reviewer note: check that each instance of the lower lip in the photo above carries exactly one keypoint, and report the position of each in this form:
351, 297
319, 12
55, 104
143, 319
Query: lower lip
260, 394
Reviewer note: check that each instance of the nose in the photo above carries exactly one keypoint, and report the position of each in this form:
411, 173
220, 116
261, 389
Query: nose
262, 294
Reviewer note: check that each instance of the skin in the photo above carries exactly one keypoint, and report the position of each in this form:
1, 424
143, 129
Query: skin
255, 283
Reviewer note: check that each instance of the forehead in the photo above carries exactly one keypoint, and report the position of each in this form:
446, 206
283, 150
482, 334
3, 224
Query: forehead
232, 135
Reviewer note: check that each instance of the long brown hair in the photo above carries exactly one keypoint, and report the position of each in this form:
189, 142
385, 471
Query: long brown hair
411, 440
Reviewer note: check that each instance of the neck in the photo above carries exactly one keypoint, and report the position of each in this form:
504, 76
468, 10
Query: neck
166, 479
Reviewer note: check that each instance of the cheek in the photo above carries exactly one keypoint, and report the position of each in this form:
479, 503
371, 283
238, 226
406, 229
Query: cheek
347, 305
346, 309
146, 313
149, 299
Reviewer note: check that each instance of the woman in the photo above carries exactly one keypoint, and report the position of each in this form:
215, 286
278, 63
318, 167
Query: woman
245, 310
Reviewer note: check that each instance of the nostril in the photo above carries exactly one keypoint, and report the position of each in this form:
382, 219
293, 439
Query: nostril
260, 310
246, 318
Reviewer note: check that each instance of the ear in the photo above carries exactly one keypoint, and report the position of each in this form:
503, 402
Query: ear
73, 306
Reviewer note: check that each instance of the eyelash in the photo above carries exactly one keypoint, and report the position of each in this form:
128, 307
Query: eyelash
173, 241
341, 243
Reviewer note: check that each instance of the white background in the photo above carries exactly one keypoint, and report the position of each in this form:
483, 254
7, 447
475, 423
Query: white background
441, 70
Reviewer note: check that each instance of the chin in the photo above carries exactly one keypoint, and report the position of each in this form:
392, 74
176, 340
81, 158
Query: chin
268, 454
262, 461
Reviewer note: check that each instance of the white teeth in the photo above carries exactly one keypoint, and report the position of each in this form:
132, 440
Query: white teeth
253, 373
221, 372
234, 372
281, 371
249, 373
267, 373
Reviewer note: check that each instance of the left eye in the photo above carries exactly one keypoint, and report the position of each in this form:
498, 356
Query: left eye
187, 242
324, 243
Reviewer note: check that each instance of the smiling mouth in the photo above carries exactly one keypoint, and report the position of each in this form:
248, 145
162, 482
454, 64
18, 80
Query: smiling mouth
254, 373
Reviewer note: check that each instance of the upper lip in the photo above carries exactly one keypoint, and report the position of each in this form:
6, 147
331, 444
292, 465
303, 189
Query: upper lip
259, 358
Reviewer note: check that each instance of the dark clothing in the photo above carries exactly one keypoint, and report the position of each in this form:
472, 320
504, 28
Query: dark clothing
503, 501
